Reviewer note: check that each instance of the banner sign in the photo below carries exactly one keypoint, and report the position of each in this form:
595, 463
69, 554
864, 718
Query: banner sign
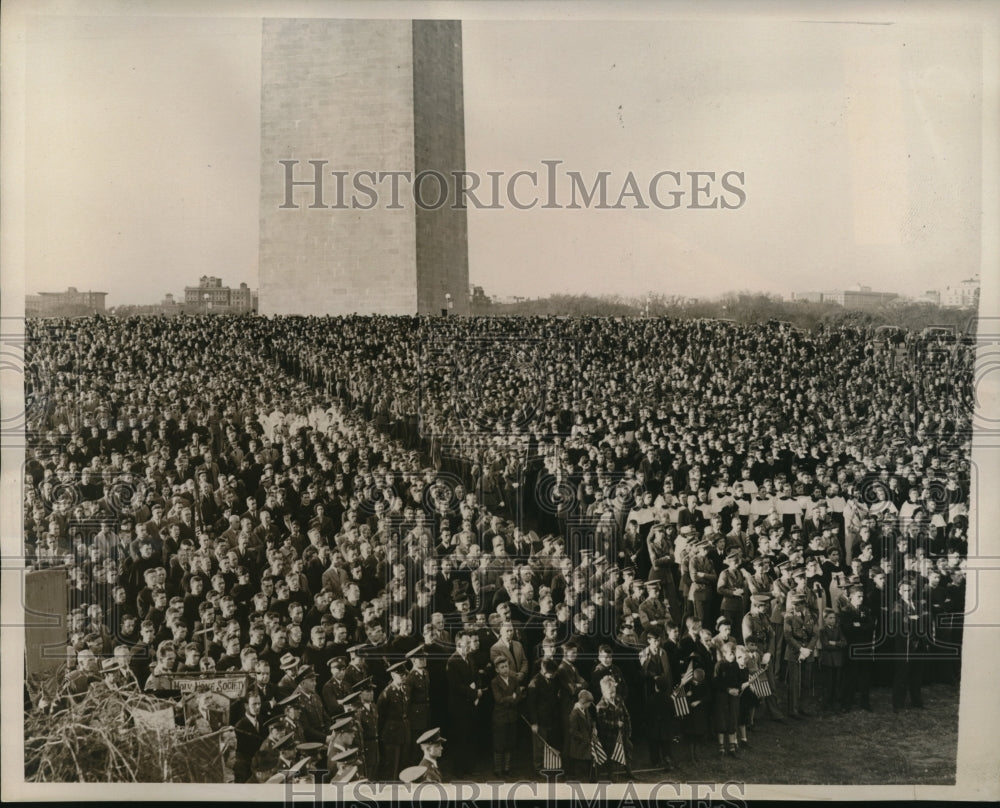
233, 685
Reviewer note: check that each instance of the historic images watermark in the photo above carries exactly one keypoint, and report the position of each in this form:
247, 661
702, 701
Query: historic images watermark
312, 184
691, 793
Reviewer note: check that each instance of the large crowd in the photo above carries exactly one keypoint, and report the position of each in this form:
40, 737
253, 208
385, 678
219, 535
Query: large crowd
422, 541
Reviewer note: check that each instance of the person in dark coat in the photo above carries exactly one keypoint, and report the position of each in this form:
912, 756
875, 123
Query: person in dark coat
463, 696
614, 726
579, 757
394, 725
507, 694
544, 697
660, 722
249, 736
728, 682
418, 685
858, 626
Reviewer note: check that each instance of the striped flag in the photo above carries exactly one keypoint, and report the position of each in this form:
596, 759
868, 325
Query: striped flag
759, 686
681, 706
618, 753
600, 756
551, 759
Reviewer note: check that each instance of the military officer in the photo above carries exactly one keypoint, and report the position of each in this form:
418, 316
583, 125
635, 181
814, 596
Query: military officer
368, 722
313, 716
393, 718
418, 689
800, 644
653, 612
336, 686
432, 745
758, 628
273, 755
730, 588
356, 667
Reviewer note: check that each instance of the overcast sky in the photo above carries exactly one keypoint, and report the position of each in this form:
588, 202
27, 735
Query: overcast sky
860, 147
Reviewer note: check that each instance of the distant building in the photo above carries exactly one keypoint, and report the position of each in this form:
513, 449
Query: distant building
478, 299
210, 295
71, 303
811, 297
964, 295
858, 297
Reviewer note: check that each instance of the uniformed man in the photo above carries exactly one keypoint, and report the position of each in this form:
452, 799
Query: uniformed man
731, 587
291, 708
653, 612
345, 767
800, 644
309, 754
432, 745
313, 717
336, 686
703, 581
343, 735
273, 755
356, 668
418, 691
758, 628
368, 724
779, 597
393, 716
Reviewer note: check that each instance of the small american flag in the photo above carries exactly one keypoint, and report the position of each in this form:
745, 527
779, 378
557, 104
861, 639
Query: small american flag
618, 753
551, 759
600, 756
759, 686
681, 706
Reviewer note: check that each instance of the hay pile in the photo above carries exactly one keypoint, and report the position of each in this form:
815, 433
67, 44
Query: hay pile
113, 736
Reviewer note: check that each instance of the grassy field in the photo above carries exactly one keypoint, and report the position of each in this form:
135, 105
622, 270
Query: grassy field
857, 748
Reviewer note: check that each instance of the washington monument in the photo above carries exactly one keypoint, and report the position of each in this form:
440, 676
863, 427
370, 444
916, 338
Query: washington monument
340, 98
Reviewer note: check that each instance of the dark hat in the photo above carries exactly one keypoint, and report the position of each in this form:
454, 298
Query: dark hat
340, 723
307, 672
337, 662
364, 684
275, 721
289, 700
397, 667
733, 555
431, 736
356, 649
762, 599
417, 652
653, 584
